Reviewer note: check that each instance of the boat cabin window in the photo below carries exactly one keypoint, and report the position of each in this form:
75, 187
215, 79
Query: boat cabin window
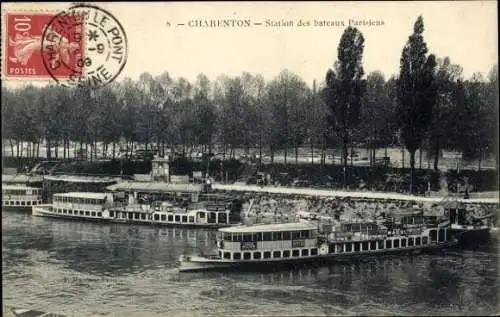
267, 255
410, 242
433, 235
22, 203
177, 218
17, 203
403, 242
277, 254
380, 244
236, 255
348, 247
170, 218
305, 252
286, 254
267, 236
93, 213
339, 247
247, 255
184, 218
191, 219
388, 244
295, 252
373, 245
227, 255
364, 244
356, 246
287, 235
277, 236
247, 237
441, 235
99, 214
314, 251
256, 255
396, 243
87, 213
417, 241
424, 240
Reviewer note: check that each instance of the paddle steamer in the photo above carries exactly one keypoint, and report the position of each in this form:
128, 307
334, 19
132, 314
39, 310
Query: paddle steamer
100, 207
292, 243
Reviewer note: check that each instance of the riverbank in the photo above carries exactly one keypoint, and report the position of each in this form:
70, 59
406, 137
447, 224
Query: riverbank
280, 204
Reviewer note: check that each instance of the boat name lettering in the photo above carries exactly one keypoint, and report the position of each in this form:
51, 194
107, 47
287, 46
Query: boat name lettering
298, 243
248, 246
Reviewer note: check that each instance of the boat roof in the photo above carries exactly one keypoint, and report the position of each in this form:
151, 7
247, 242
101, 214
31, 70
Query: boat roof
88, 195
272, 227
156, 187
21, 178
82, 179
18, 187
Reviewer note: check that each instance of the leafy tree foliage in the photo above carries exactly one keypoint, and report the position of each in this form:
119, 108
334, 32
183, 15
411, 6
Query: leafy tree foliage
416, 92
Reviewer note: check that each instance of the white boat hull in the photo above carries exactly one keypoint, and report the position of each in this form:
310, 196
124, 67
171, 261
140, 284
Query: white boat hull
200, 263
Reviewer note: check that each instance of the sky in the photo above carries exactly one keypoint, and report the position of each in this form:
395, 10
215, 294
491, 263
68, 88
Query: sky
466, 31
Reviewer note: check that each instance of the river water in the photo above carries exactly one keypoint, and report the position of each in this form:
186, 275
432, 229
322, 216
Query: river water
90, 269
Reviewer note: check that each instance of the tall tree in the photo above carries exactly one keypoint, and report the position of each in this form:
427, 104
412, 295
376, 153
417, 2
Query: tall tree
416, 92
446, 77
346, 86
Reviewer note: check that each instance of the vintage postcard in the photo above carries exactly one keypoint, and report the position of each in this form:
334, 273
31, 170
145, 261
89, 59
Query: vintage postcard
250, 159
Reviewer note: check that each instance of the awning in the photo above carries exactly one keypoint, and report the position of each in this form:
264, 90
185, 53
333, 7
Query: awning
156, 187
20, 178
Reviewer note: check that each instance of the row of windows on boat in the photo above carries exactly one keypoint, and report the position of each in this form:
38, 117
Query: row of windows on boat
337, 248
77, 200
257, 255
135, 216
21, 203
269, 236
78, 212
377, 245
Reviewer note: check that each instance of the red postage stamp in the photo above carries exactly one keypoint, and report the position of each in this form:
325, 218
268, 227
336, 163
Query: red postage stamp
81, 45
23, 54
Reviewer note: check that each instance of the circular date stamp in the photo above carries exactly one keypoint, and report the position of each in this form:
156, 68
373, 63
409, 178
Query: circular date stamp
84, 46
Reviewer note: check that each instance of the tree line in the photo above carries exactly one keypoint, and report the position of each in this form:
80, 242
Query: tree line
429, 106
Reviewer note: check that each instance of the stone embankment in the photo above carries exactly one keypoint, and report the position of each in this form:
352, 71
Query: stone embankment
288, 204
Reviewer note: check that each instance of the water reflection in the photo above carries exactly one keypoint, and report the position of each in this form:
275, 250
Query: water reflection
118, 270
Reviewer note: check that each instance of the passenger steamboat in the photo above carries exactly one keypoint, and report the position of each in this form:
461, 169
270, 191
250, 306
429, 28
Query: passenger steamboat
20, 197
100, 207
301, 242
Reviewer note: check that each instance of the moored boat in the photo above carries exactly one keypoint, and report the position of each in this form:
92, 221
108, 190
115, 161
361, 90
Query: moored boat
476, 230
101, 207
76, 206
258, 246
20, 197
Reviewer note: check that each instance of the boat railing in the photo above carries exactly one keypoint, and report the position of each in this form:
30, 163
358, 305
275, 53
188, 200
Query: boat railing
20, 197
